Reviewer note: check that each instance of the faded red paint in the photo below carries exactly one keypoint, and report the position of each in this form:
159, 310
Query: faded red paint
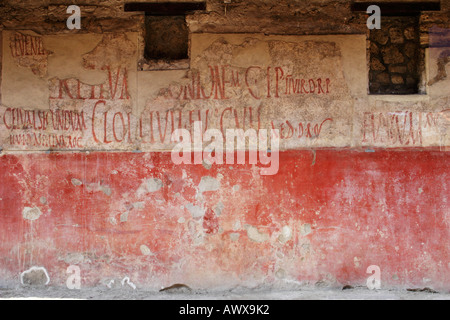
388, 208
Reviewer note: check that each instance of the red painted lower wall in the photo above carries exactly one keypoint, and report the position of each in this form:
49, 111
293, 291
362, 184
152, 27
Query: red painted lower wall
323, 219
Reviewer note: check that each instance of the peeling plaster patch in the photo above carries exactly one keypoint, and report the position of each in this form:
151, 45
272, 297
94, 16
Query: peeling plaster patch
139, 205
356, 262
195, 211
110, 284
113, 50
234, 236
206, 165
76, 182
75, 258
426, 280
208, 184
280, 274
255, 235
286, 234
30, 53
106, 190
305, 229
35, 276
146, 251
218, 209
149, 185
124, 217
31, 213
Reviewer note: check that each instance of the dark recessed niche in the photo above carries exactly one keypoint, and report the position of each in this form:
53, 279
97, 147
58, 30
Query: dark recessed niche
166, 38
395, 56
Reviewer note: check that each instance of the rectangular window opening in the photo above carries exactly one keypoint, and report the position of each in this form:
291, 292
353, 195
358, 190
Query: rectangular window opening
396, 63
166, 34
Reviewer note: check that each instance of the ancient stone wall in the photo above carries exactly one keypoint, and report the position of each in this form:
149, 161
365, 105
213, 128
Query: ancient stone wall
87, 126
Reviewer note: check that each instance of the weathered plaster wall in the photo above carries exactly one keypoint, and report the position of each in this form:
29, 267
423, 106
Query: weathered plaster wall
88, 179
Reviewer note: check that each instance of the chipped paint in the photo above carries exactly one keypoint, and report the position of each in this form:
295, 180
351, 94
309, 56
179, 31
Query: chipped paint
149, 186
31, 213
255, 235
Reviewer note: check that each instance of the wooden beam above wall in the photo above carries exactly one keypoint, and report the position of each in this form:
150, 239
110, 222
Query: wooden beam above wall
165, 8
404, 8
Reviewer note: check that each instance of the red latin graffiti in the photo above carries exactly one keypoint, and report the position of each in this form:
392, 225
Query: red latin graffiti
223, 81
26, 45
74, 89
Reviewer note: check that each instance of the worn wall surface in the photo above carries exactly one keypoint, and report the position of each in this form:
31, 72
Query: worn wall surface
86, 139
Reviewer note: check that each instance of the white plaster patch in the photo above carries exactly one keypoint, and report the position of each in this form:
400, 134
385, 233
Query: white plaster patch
234, 236
124, 217
218, 209
196, 211
106, 190
139, 205
255, 235
31, 213
145, 250
305, 229
208, 184
127, 281
357, 262
76, 182
286, 234
149, 186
